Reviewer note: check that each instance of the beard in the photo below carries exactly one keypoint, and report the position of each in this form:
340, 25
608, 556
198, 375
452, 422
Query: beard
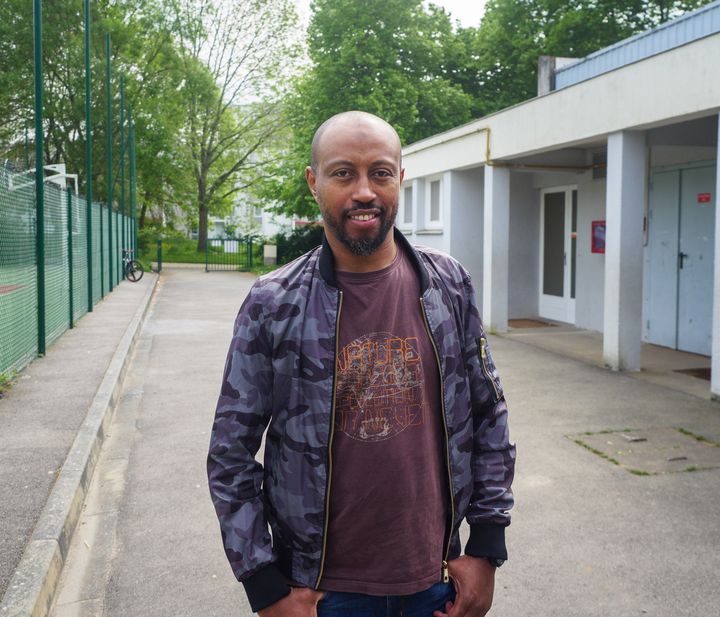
364, 245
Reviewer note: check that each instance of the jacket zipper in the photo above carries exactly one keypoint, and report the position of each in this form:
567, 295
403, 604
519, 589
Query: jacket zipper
330, 440
485, 368
444, 565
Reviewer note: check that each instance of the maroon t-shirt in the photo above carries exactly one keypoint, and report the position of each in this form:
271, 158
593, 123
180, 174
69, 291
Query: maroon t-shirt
388, 494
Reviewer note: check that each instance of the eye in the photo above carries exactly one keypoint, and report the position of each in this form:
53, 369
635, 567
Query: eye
384, 173
341, 173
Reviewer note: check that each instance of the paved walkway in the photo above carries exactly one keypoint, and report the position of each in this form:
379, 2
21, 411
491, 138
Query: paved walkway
41, 414
589, 538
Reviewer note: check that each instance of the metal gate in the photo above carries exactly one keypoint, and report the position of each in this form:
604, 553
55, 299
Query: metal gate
229, 254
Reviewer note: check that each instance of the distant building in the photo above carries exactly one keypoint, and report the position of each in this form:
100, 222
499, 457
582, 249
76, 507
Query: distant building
593, 204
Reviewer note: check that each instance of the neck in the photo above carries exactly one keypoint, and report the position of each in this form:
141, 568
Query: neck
347, 261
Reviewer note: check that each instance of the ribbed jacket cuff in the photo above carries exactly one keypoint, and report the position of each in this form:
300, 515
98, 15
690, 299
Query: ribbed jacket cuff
266, 587
486, 540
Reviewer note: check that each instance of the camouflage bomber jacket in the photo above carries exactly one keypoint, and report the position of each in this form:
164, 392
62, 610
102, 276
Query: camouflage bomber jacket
280, 375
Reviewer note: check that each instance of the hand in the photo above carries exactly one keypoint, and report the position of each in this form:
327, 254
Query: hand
474, 581
301, 602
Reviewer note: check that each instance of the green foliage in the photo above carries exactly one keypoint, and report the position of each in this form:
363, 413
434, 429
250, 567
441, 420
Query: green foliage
143, 49
237, 58
387, 57
298, 242
7, 379
203, 80
497, 62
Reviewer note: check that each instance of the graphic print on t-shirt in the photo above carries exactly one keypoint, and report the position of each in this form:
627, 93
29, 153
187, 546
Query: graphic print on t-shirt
380, 388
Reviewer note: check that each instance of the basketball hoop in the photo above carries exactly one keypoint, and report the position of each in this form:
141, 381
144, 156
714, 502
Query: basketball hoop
58, 176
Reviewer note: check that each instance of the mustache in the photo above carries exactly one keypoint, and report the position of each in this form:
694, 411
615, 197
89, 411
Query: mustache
359, 205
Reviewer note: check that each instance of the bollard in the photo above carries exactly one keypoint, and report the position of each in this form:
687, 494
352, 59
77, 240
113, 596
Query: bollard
159, 255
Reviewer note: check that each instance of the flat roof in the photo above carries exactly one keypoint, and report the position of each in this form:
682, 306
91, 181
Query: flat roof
685, 29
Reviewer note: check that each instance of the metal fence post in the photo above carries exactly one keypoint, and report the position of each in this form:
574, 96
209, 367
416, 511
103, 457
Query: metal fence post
159, 255
108, 156
88, 156
122, 170
70, 257
39, 177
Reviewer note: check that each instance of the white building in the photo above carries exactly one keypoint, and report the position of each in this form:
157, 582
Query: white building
624, 148
249, 217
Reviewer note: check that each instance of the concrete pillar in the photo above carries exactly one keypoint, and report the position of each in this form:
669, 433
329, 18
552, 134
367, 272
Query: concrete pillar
715, 372
496, 225
624, 208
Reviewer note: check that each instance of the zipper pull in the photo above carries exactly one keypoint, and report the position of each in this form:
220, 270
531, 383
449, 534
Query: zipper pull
445, 572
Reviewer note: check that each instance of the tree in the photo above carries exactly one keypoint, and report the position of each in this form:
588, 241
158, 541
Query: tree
143, 49
497, 63
237, 57
387, 57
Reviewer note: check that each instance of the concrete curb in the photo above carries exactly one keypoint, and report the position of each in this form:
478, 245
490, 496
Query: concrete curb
32, 587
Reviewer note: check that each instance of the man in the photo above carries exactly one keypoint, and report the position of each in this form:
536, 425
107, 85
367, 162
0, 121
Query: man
366, 361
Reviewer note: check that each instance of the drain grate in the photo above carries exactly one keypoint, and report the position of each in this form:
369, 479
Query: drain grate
652, 451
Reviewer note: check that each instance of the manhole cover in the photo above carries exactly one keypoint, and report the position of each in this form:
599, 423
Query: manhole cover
653, 451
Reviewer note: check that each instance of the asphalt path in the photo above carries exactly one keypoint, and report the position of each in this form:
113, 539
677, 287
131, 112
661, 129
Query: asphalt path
588, 538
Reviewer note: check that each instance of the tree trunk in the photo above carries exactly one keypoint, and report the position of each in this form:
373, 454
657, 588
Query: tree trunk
202, 229
143, 212
202, 214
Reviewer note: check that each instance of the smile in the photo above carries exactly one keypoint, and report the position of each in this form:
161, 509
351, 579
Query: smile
362, 217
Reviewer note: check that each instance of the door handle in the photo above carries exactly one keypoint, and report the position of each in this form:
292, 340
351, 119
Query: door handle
681, 259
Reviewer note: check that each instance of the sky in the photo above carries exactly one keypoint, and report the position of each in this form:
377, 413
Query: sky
468, 12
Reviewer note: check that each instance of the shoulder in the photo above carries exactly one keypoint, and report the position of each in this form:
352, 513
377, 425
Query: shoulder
283, 290
442, 266
290, 277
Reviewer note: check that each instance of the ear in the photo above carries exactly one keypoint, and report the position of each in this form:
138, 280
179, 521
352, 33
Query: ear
311, 180
402, 174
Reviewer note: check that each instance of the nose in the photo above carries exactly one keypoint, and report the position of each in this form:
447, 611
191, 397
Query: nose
364, 192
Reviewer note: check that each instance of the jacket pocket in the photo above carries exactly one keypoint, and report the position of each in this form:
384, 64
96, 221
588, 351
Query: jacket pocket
489, 370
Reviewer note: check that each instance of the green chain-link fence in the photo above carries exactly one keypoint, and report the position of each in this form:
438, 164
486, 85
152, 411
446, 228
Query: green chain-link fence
66, 263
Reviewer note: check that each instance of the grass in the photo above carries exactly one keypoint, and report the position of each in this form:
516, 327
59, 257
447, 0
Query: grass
699, 438
260, 268
175, 250
7, 379
184, 250
580, 442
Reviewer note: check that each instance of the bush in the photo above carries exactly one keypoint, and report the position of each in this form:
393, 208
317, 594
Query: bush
298, 242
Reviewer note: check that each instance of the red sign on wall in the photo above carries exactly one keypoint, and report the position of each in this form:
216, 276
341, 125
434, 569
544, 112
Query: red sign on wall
704, 198
598, 237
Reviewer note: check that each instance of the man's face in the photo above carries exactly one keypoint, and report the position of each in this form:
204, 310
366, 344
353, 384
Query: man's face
356, 183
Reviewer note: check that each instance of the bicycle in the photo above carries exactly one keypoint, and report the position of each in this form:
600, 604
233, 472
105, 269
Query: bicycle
132, 268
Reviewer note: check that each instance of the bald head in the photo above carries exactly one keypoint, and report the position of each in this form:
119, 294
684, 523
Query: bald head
352, 119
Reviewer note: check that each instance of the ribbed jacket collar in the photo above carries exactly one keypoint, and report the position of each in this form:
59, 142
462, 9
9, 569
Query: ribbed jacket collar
327, 260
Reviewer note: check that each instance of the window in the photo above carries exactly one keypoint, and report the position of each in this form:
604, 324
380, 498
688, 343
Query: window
406, 208
433, 207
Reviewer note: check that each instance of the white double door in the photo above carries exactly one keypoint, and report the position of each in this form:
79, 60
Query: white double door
558, 251
679, 259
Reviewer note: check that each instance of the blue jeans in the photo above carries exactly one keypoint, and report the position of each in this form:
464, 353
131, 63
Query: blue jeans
421, 604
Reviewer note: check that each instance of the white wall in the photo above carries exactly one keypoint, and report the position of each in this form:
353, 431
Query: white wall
590, 281
680, 84
666, 156
524, 247
466, 227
